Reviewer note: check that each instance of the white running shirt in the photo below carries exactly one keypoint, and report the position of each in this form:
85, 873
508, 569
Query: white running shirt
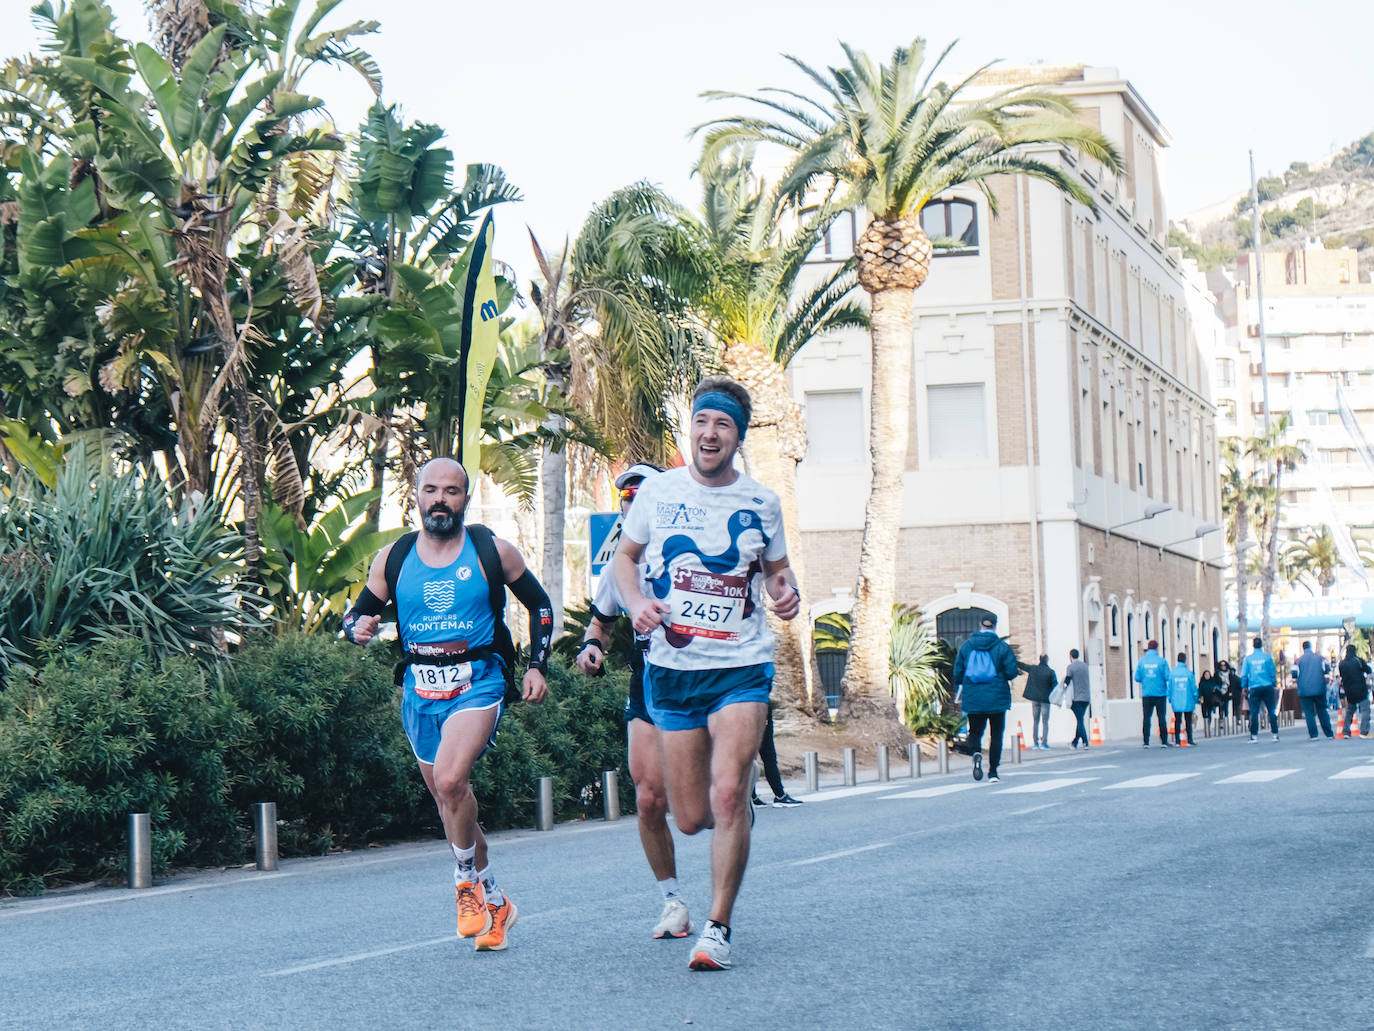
703, 550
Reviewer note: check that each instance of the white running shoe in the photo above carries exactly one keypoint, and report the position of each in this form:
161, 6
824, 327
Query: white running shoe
711, 952
674, 922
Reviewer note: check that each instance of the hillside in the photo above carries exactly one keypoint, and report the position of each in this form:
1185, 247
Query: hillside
1332, 198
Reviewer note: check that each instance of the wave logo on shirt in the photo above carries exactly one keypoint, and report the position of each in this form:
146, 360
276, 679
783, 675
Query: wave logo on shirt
464, 573
439, 595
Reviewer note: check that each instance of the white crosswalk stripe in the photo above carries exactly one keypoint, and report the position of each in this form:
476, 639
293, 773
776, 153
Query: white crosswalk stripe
943, 789
1153, 781
1038, 787
1354, 773
1257, 776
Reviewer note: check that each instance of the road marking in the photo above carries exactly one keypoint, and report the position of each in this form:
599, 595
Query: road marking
358, 957
1354, 773
837, 793
1045, 785
1034, 809
1157, 780
943, 789
840, 855
1257, 776
1214, 766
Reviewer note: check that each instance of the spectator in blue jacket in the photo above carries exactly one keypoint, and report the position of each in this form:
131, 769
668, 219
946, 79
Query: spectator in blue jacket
1259, 677
1311, 673
1152, 674
1182, 697
984, 669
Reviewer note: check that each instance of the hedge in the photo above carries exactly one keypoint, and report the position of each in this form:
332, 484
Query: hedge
306, 721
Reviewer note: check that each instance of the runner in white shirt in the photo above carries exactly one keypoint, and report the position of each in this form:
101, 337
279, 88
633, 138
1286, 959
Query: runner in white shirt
645, 761
712, 541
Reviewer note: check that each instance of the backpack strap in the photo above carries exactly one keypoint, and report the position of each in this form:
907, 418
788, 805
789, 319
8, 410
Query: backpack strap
485, 543
395, 558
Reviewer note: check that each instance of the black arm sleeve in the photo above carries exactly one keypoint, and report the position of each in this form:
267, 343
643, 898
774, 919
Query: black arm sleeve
368, 604
531, 595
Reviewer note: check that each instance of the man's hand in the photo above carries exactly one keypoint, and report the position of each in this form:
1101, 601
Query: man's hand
589, 659
786, 597
646, 614
535, 687
365, 629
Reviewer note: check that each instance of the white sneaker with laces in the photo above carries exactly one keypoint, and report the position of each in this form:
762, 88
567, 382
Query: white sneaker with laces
674, 922
711, 952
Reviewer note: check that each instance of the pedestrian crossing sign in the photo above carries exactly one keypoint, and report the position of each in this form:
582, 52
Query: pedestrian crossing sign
605, 537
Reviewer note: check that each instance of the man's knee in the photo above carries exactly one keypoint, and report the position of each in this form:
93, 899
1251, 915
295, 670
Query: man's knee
728, 800
452, 787
651, 801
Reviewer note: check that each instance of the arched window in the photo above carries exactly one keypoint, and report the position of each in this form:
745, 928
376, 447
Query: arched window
952, 226
955, 626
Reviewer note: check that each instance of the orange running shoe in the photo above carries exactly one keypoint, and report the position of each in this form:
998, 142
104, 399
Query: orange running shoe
502, 920
473, 917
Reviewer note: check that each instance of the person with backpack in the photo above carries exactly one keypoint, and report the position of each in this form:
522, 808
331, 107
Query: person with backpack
1152, 674
449, 584
1354, 673
984, 669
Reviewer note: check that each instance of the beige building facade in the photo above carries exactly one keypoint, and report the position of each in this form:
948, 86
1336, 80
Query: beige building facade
1060, 395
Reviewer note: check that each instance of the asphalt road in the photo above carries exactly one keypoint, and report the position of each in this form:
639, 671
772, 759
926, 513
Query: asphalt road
1216, 887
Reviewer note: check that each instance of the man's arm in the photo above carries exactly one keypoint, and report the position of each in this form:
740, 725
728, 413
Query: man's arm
592, 654
781, 584
646, 614
530, 593
361, 620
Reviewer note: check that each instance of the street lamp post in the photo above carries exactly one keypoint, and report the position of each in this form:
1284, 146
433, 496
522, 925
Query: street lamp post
1151, 510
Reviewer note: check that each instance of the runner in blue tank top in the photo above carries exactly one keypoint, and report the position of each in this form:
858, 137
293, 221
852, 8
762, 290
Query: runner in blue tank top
454, 682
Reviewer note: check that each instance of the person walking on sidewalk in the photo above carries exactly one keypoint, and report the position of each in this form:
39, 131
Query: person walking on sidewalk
645, 762
1230, 688
1152, 674
1259, 679
1353, 671
1311, 673
1182, 697
984, 669
1077, 677
1041, 680
768, 756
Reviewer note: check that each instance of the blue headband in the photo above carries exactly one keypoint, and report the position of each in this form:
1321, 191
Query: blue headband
721, 402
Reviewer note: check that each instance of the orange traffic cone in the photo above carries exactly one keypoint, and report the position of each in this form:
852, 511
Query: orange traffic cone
1020, 735
1097, 734
1183, 741
1340, 730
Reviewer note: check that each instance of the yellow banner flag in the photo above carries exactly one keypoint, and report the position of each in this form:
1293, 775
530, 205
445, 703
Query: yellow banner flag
477, 351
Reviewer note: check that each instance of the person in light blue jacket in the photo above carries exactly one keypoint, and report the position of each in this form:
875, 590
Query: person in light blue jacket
1152, 674
1259, 678
1182, 697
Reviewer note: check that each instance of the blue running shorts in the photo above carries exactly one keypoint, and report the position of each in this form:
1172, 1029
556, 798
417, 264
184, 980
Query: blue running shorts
682, 699
424, 719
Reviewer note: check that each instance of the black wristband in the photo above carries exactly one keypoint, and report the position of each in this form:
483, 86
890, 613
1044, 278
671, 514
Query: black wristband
592, 641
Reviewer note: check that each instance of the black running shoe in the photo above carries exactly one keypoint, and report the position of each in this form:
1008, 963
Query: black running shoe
977, 765
785, 801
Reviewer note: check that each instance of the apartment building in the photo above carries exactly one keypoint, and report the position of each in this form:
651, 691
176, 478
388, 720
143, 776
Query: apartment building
1319, 332
1062, 466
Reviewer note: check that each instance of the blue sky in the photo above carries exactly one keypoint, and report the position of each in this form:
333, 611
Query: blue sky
576, 99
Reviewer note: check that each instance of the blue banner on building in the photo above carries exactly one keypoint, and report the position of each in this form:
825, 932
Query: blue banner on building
1328, 613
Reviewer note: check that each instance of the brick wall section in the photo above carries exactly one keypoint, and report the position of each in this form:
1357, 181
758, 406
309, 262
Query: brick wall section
931, 560
1006, 273
1011, 398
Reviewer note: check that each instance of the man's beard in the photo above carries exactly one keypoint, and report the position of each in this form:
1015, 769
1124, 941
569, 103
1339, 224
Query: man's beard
442, 524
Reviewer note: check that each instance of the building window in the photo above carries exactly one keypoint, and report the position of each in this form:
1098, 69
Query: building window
1226, 372
952, 226
957, 418
837, 244
1228, 410
835, 427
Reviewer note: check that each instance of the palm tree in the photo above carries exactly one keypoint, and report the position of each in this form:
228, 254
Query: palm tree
1312, 554
884, 139
1240, 497
1272, 456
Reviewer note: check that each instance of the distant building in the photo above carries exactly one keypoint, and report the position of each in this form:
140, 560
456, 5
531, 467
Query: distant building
1319, 327
1060, 396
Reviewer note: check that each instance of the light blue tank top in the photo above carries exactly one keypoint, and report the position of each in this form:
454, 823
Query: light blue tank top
451, 603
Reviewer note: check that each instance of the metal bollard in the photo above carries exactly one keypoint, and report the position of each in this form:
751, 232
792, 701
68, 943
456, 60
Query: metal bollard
265, 835
851, 767
943, 755
913, 759
610, 794
1016, 750
882, 763
813, 773
543, 805
140, 851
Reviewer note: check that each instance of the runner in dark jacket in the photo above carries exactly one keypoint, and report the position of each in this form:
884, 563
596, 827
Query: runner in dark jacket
985, 701
1040, 681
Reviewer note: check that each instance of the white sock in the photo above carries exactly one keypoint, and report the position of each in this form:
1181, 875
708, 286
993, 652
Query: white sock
669, 888
495, 896
465, 865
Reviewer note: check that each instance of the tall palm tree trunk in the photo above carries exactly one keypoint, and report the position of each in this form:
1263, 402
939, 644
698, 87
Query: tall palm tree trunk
775, 443
865, 691
553, 486
1242, 576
